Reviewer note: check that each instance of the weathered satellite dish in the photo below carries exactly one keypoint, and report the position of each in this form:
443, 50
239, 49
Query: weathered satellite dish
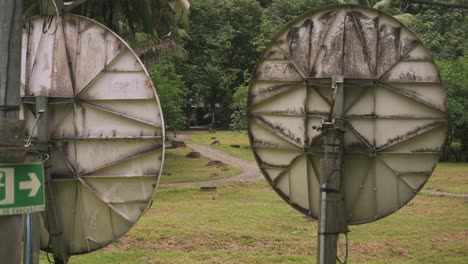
394, 110
106, 127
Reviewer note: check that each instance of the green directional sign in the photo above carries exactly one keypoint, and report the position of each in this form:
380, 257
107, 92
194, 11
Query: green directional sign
21, 188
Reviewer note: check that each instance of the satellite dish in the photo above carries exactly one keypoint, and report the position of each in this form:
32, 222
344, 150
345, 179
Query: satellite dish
106, 127
394, 110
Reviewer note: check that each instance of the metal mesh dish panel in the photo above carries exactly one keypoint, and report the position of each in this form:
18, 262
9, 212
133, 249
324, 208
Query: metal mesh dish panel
394, 110
106, 127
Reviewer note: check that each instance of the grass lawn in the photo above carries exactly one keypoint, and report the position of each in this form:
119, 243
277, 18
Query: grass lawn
449, 177
178, 168
249, 223
227, 138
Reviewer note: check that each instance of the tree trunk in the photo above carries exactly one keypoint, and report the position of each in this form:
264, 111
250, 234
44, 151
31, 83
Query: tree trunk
213, 117
457, 155
446, 148
445, 151
110, 15
444, 155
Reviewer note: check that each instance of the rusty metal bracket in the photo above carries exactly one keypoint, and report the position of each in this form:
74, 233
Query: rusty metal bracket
28, 141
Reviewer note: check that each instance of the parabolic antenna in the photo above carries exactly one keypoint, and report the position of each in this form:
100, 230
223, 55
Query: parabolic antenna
394, 110
106, 127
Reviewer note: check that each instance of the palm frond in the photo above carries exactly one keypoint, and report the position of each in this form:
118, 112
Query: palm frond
406, 19
31, 8
153, 27
151, 52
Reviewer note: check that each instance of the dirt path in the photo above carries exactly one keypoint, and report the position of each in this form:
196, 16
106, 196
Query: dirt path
250, 171
441, 193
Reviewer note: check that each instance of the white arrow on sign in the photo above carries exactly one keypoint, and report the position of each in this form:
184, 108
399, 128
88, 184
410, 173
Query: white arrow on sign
34, 184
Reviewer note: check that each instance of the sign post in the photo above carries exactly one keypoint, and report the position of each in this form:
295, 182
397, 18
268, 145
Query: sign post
21, 188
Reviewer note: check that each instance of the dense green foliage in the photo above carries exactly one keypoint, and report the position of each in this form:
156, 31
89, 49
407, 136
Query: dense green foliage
220, 50
239, 107
444, 30
223, 39
226, 40
455, 73
217, 80
171, 91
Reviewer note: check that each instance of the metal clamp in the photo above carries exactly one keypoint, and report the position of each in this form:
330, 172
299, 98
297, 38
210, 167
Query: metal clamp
337, 79
328, 123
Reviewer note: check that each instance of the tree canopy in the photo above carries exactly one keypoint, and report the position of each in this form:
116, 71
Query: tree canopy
219, 42
444, 30
220, 50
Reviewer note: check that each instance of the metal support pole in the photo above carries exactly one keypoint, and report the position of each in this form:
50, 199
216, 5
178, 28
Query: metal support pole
332, 214
32, 223
53, 221
11, 128
32, 238
31, 241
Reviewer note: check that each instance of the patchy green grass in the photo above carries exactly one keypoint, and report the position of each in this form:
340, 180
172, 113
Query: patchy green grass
226, 139
249, 223
449, 177
178, 168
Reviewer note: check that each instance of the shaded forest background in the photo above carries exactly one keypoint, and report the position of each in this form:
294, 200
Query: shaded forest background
206, 83
201, 60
